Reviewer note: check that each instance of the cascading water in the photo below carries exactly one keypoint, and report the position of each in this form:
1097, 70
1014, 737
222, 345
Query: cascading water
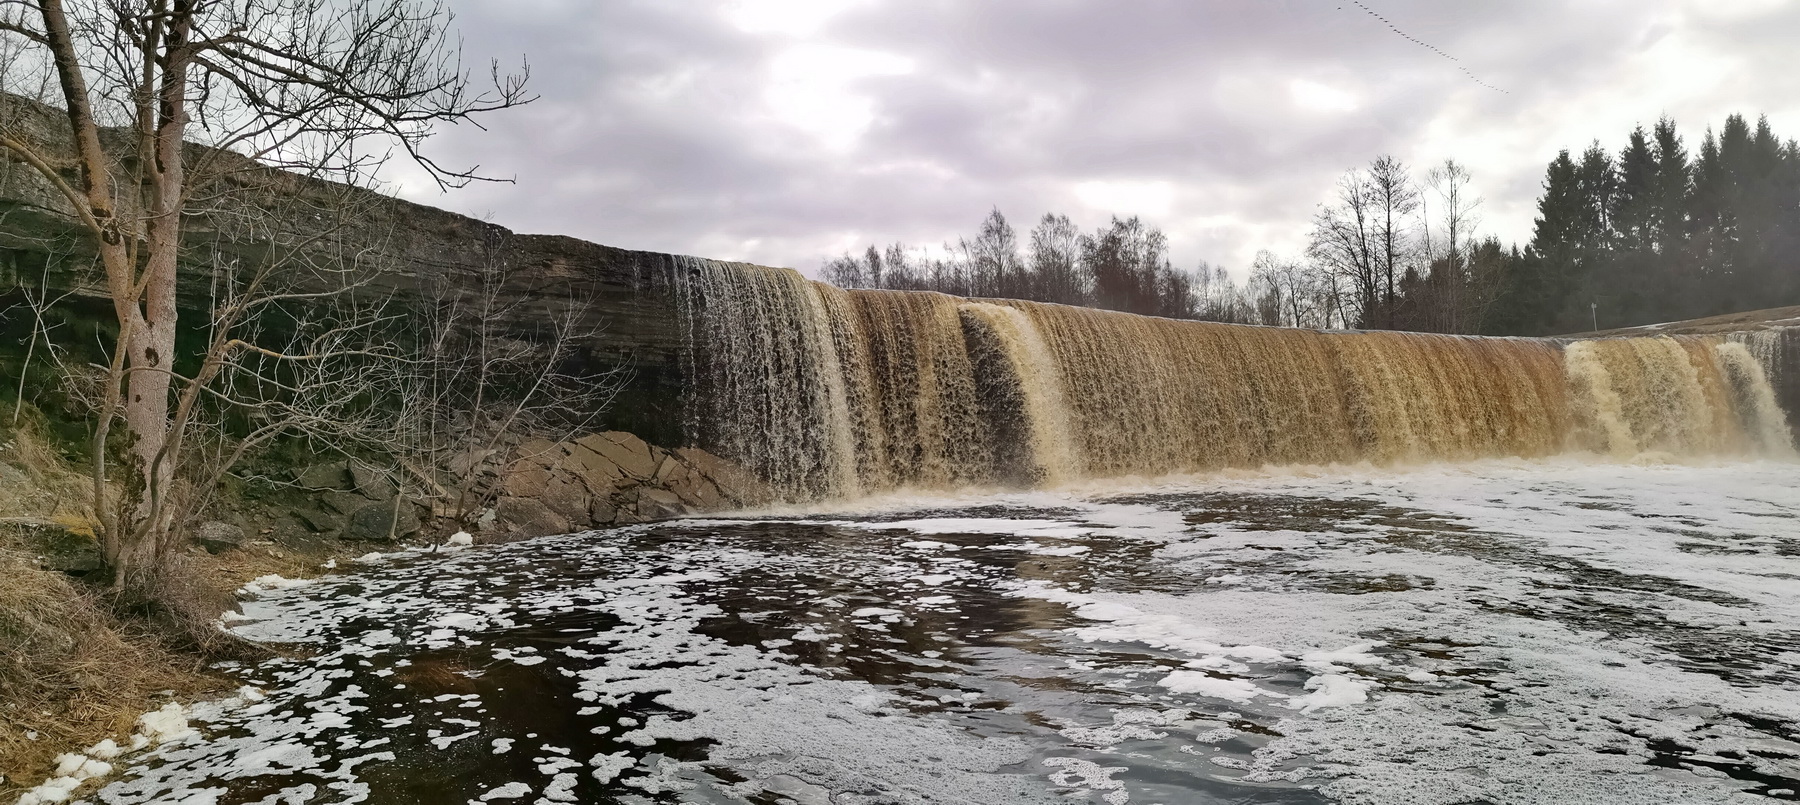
828, 392
1763, 419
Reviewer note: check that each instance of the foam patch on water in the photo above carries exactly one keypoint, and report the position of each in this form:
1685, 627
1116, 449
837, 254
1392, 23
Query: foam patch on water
1502, 629
1508, 632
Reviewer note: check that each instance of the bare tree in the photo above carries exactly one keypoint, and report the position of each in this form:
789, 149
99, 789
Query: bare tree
1344, 242
1054, 254
995, 267
316, 87
1458, 216
1218, 298
1396, 200
1365, 236
1291, 293
498, 364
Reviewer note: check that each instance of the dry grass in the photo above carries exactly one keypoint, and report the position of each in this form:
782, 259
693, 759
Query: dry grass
70, 672
78, 666
77, 663
37, 484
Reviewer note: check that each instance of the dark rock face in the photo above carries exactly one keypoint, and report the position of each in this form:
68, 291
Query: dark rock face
319, 477
382, 522
371, 483
624, 297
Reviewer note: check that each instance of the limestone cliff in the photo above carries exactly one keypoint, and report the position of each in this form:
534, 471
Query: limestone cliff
413, 249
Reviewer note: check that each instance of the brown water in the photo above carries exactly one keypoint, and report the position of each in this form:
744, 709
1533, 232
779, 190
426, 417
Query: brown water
830, 392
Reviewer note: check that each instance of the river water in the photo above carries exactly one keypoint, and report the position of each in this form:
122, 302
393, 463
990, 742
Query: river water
1505, 632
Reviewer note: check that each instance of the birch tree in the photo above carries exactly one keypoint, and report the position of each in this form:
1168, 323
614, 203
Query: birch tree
320, 88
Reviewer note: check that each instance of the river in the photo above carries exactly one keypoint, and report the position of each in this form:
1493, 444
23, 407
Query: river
1498, 632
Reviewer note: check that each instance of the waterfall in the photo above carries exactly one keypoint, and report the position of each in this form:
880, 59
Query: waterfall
1762, 416
830, 392
773, 388
1031, 379
1599, 403
1657, 396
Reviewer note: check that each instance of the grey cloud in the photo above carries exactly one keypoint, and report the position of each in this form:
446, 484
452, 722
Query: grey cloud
653, 131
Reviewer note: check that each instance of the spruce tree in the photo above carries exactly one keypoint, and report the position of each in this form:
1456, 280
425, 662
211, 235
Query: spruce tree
1536, 290
1629, 271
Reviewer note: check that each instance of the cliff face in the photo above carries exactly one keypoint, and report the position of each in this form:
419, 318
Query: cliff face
414, 254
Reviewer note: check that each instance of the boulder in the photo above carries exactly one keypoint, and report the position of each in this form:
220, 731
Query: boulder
319, 522
699, 493
601, 511
527, 517
372, 483
628, 515
218, 537
335, 475
596, 472
382, 522
565, 495
734, 483
668, 470
627, 452
342, 502
542, 452
659, 504
471, 462
525, 479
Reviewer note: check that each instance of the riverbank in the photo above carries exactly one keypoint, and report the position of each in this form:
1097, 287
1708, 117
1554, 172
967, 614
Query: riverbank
77, 665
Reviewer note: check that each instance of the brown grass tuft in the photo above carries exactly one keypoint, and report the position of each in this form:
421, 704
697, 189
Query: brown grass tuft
69, 671
79, 663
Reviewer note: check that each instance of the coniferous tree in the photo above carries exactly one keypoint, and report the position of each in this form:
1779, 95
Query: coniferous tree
1674, 181
1534, 290
1629, 275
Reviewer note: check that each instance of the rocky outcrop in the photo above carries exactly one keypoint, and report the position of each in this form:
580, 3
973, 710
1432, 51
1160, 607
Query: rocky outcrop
356, 501
608, 479
533, 489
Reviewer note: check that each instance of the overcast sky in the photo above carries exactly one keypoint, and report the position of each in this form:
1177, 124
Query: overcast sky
784, 131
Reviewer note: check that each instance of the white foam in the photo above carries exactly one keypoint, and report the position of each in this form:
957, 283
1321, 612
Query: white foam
271, 583
168, 723
1241, 691
512, 790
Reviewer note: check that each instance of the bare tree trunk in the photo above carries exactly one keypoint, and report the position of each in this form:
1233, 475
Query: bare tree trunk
289, 84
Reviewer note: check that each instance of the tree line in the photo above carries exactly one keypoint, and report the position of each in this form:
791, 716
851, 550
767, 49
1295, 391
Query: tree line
1656, 234
1647, 235
1122, 266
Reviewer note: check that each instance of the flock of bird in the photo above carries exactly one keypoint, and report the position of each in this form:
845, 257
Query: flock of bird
1426, 45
